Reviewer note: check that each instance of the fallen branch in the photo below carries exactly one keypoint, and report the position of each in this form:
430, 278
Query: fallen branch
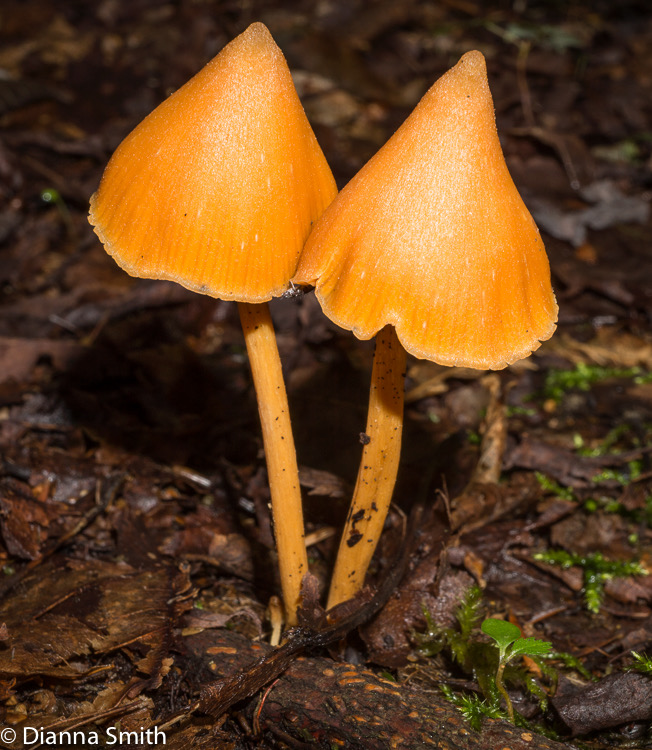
328, 704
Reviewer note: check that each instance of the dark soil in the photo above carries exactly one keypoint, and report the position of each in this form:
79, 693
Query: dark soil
135, 540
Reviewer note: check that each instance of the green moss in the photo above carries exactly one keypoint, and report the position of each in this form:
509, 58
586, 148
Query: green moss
610, 505
627, 150
569, 661
632, 473
559, 382
607, 444
457, 640
521, 411
642, 663
596, 571
549, 485
472, 707
473, 437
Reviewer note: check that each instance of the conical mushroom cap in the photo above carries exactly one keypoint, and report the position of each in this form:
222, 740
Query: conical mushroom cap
218, 187
432, 237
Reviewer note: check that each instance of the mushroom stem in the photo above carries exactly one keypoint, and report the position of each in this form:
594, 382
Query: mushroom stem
282, 471
377, 474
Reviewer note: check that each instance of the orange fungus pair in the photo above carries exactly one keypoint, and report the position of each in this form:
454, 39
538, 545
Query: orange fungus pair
429, 244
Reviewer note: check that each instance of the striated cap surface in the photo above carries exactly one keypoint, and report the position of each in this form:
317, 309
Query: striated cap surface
218, 187
432, 237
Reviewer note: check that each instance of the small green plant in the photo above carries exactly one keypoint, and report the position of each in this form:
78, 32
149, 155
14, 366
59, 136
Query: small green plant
627, 150
603, 502
50, 195
596, 570
481, 659
510, 645
388, 676
622, 436
467, 651
53, 197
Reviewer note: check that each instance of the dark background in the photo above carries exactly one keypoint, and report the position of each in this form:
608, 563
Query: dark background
128, 427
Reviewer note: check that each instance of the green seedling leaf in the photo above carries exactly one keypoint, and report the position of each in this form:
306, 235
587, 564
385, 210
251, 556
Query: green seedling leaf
510, 644
530, 647
503, 632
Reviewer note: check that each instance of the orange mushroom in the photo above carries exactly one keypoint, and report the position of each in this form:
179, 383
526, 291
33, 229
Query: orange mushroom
431, 244
217, 190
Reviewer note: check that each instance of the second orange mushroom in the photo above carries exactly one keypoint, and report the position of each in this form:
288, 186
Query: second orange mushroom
431, 245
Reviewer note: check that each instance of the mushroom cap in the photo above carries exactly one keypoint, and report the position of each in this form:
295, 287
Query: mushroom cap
218, 187
432, 237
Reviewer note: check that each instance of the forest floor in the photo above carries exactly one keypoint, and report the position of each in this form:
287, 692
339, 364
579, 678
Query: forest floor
135, 541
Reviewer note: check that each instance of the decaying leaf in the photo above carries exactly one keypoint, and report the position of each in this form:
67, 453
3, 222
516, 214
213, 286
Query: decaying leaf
95, 607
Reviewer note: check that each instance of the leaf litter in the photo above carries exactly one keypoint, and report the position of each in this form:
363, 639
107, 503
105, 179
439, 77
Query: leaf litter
136, 543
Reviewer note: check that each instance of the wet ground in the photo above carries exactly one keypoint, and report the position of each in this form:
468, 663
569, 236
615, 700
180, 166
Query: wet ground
133, 494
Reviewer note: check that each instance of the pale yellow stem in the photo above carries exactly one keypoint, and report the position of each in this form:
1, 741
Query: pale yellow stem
280, 454
377, 474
